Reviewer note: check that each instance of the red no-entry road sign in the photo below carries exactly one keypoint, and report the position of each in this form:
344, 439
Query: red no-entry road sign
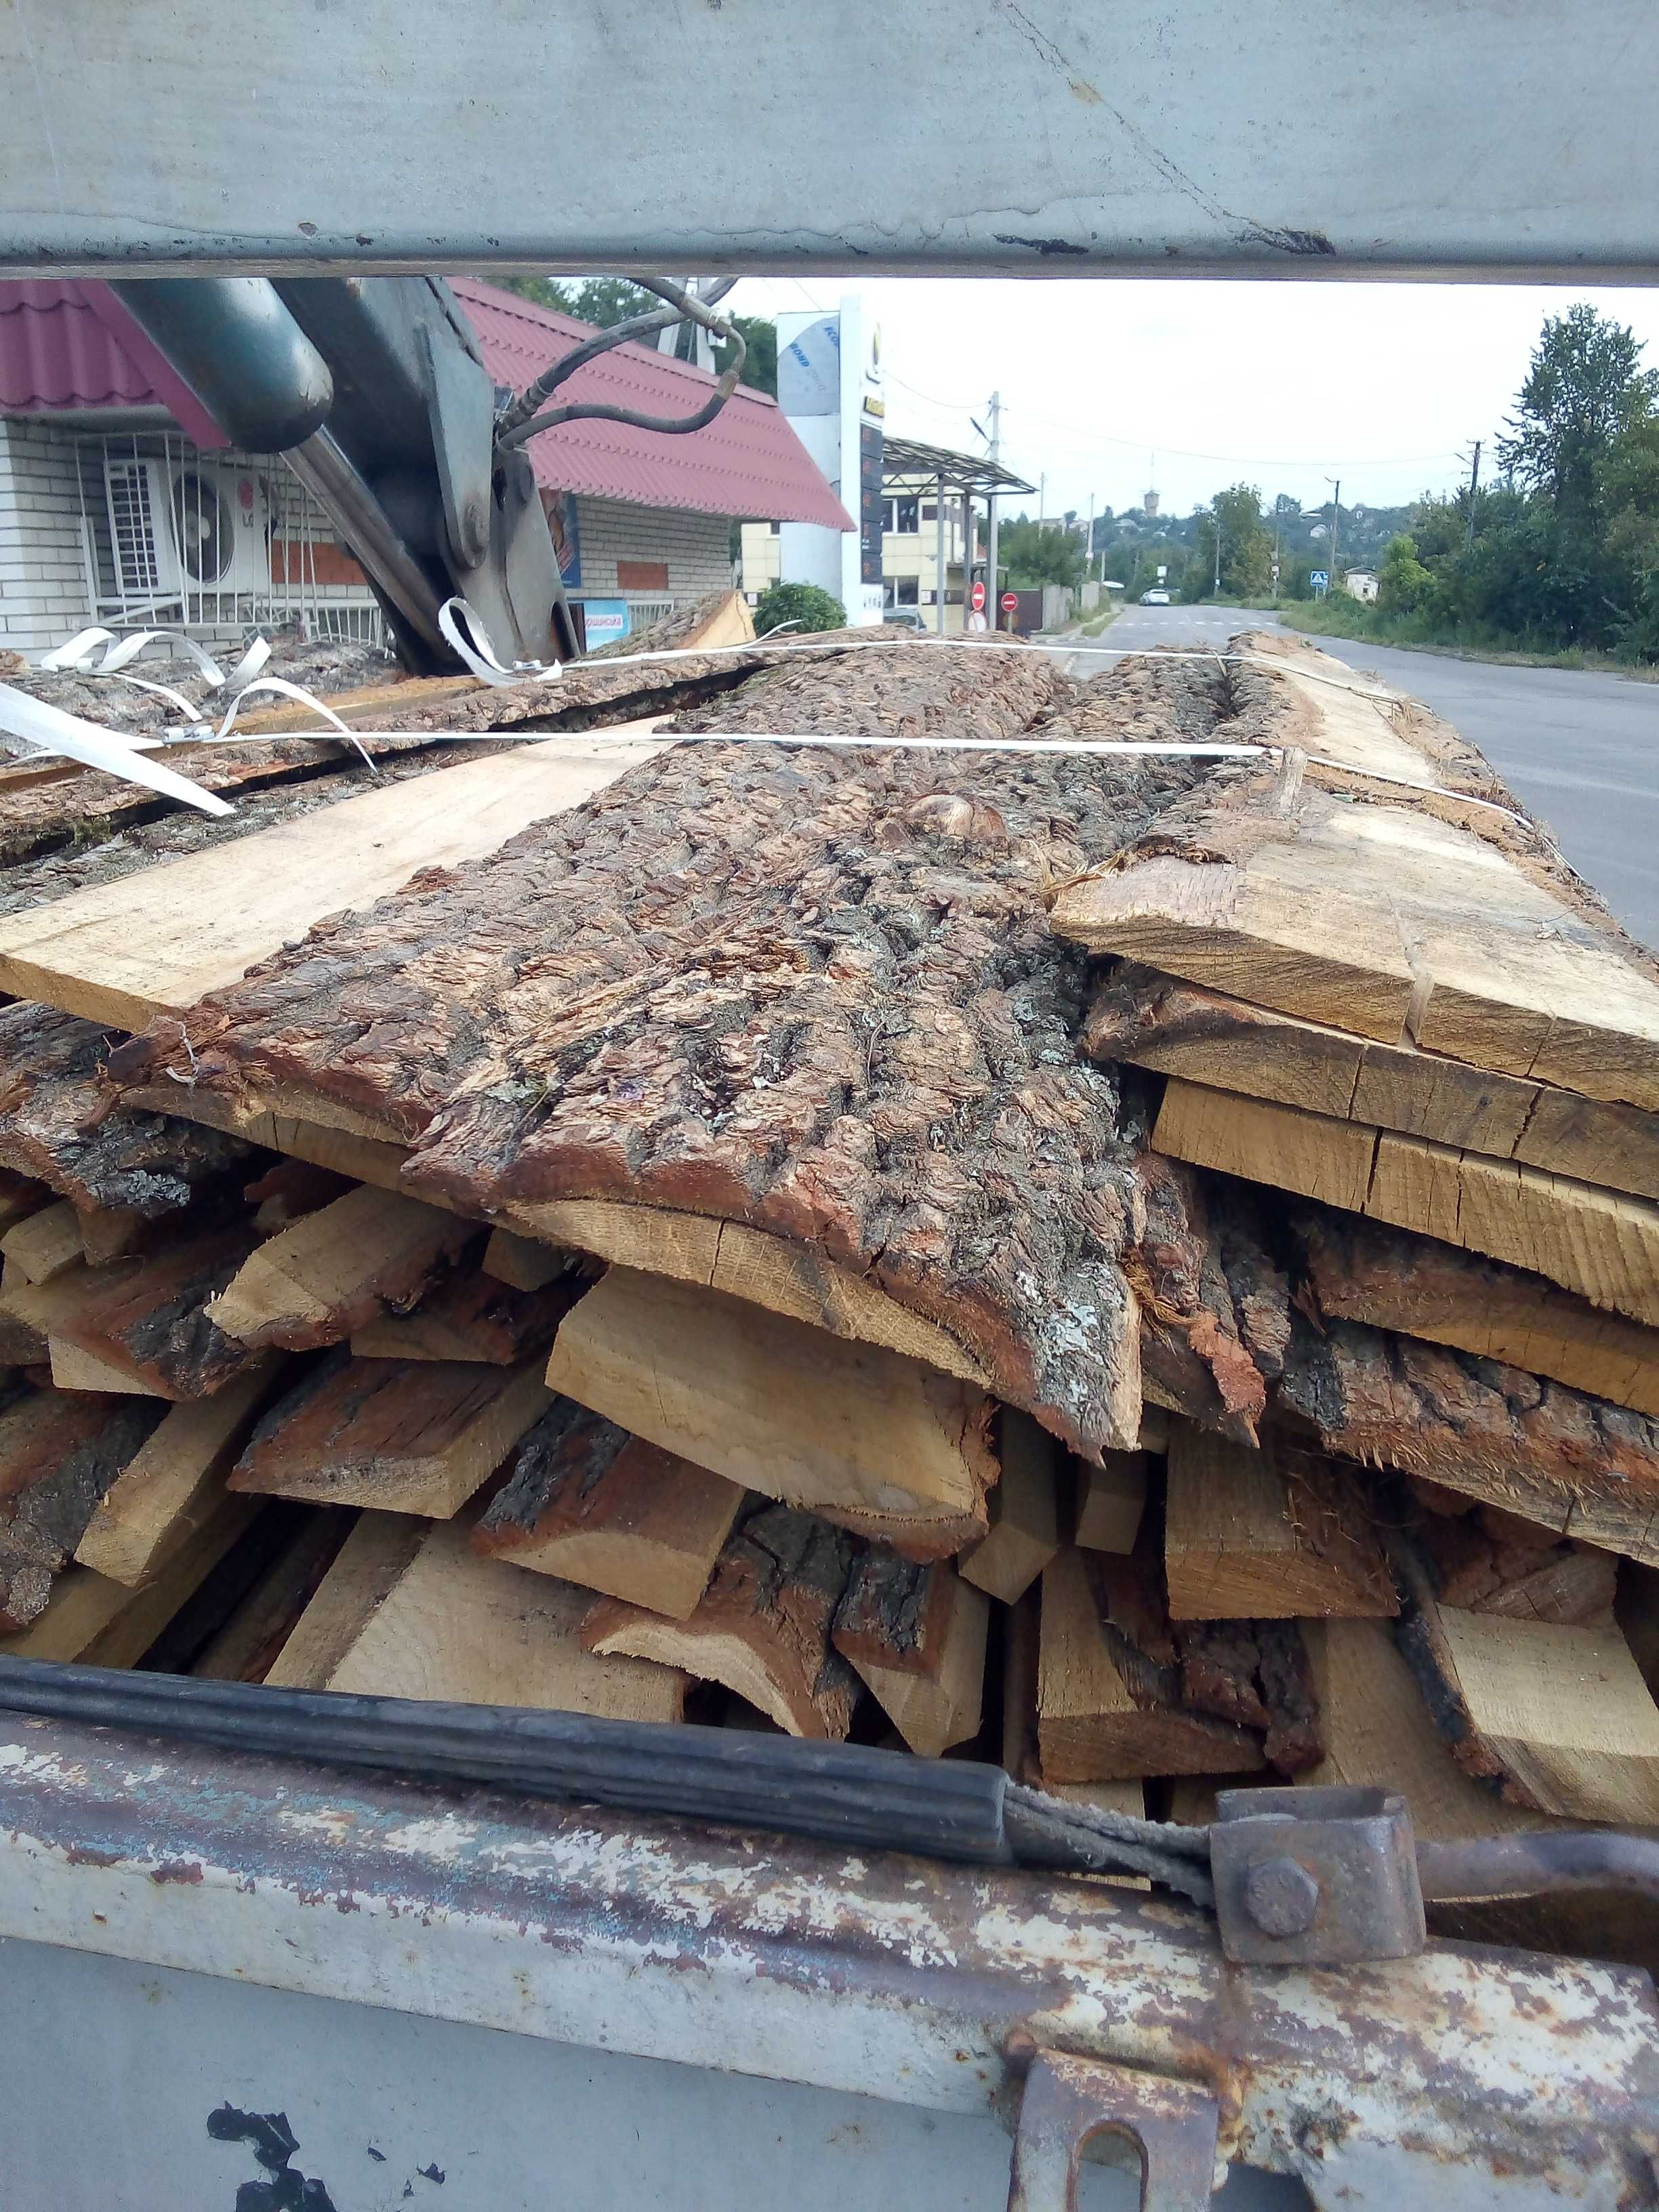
976, 599
1011, 603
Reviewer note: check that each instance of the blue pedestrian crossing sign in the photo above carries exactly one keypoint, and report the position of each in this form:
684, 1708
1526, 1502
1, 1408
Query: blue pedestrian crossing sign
1321, 579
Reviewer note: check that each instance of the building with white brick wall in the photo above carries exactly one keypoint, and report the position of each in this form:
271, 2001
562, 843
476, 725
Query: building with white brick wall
120, 503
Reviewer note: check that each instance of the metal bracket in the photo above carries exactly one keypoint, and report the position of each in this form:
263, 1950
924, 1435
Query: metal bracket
1068, 2101
1315, 1877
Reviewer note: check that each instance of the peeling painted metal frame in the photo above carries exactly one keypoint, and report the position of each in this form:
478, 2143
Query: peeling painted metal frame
1492, 139
1468, 2076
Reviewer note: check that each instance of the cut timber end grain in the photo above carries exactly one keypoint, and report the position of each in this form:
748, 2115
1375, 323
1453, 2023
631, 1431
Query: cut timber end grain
338, 1269
765, 1270
173, 1483
1277, 1534
1104, 1711
594, 1505
917, 1637
30, 1312
1389, 1279
403, 1436
471, 1315
469, 1630
1111, 1501
524, 1263
43, 1244
58, 1453
863, 1435
149, 1319
1560, 1717
1025, 1513
763, 1627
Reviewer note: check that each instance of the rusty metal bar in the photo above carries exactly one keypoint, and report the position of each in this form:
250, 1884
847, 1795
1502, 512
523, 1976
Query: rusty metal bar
1470, 2077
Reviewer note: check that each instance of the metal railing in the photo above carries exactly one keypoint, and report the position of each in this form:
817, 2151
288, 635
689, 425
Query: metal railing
219, 544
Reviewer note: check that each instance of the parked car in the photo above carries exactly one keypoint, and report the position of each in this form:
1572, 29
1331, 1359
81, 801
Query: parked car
904, 619
1157, 597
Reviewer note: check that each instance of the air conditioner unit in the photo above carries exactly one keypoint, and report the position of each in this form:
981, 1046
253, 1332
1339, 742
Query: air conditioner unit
185, 528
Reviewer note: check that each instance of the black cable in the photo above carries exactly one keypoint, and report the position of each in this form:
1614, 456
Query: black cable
521, 421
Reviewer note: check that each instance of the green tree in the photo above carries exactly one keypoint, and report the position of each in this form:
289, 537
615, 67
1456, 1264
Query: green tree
1247, 545
1583, 387
760, 367
1049, 554
605, 302
1403, 584
804, 606
1198, 577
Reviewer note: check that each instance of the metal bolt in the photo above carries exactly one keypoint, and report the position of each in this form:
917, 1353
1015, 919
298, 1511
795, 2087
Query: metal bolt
1281, 1897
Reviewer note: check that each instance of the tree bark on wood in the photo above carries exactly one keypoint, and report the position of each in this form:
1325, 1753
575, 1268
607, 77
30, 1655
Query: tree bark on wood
58, 1453
1572, 1463
588, 1501
414, 1435
152, 1319
785, 989
57, 1123
1390, 1279
764, 1625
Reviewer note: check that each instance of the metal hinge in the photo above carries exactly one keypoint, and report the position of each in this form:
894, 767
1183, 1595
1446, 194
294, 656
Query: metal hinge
1067, 2102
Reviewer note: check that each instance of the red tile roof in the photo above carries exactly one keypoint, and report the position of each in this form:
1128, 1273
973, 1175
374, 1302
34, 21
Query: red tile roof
748, 462
66, 346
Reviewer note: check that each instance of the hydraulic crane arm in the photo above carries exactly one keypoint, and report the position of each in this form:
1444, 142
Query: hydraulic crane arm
375, 390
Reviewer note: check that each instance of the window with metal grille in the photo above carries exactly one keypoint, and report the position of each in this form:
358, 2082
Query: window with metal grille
132, 527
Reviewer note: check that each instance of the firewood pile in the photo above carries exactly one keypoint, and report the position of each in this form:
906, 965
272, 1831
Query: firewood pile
1143, 1270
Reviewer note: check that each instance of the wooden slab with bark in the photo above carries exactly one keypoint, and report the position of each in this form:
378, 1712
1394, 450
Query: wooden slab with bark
101, 1623
916, 1636
761, 1626
414, 1613
336, 1270
1279, 1533
862, 1435
173, 1483
1575, 1465
57, 1123
812, 994
590, 1503
1598, 1242
470, 1315
1025, 1513
150, 1319
1558, 1718
1389, 1279
153, 944
59, 1452
414, 1435
245, 1648
1482, 1560
522, 1262
1381, 920
1178, 1028
1109, 1709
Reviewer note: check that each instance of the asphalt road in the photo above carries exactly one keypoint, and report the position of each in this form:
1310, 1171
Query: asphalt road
1581, 751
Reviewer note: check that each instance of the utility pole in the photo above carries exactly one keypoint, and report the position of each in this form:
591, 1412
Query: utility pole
1042, 499
1336, 527
993, 581
1089, 563
1218, 551
1474, 486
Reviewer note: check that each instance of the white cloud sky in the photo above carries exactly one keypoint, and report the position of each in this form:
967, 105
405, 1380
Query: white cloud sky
1110, 386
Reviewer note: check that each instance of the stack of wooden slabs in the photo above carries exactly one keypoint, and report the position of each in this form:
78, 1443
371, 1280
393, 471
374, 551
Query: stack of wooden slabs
1137, 1494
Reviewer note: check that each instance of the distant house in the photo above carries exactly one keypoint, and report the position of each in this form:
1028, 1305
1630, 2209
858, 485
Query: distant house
1360, 583
121, 502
